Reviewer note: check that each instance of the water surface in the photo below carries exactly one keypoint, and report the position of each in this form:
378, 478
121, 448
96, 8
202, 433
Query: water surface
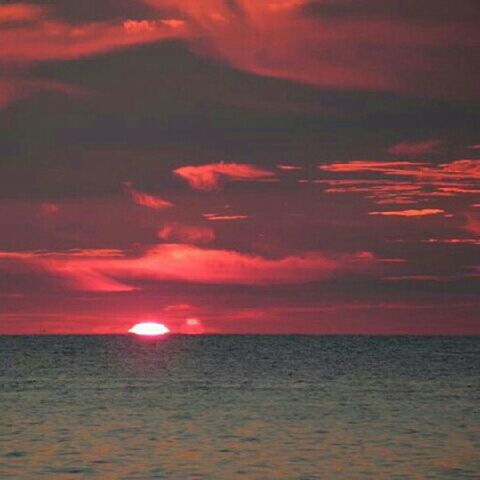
239, 407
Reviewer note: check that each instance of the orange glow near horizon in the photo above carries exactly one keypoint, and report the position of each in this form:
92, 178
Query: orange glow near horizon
149, 329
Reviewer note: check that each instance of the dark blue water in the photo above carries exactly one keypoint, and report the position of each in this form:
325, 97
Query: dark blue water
240, 407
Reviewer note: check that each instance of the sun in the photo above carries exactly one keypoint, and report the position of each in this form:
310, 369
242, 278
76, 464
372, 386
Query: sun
149, 329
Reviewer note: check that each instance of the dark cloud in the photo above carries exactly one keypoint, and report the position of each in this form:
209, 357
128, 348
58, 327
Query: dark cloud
425, 11
149, 109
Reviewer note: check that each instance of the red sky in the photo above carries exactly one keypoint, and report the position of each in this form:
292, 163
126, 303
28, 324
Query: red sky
240, 166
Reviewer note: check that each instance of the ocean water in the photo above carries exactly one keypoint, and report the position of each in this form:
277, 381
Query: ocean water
239, 407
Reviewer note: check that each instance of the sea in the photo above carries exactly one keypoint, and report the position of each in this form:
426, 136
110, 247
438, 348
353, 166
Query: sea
239, 407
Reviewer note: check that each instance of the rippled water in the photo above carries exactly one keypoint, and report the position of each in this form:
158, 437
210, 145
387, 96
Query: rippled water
239, 407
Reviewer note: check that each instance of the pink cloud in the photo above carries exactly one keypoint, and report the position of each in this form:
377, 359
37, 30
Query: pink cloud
454, 241
73, 266
273, 38
467, 168
209, 177
31, 34
21, 12
456, 190
388, 168
47, 39
176, 232
146, 199
111, 270
410, 213
288, 167
472, 224
419, 278
418, 180
218, 217
277, 38
415, 149
191, 326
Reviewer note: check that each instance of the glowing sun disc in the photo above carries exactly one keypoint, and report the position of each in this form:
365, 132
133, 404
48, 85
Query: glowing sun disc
151, 329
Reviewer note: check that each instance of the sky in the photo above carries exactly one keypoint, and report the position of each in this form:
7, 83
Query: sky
240, 166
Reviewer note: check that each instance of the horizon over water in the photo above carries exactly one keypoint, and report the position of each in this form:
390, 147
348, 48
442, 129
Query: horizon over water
239, 406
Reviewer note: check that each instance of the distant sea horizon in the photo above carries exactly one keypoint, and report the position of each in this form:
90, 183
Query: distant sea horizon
242, 334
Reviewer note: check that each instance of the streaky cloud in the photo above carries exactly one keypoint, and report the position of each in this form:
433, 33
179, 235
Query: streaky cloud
112, 270
145, 199
210, 176
415, 149
409, 213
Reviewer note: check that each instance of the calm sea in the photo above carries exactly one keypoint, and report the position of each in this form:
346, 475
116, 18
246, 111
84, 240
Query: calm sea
239, 407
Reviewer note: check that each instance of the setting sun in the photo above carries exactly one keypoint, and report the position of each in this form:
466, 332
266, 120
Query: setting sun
151, 329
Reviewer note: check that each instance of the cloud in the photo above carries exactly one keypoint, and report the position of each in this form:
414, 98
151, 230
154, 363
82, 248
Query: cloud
472, 224
218, 217
466, 169
20, 12
46, 40
146, 199
74, 267
92, 10
418, 278
415, 149
409, 213
380, 191
404, 182
367, 51
176, 232
388, 168
111, 270
390, 52
288, 167
210, 176
191, 326
454, 241
137, 26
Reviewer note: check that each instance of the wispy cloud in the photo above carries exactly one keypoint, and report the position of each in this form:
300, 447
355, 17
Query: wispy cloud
21, 12
409, 213
113, 270
288, 167
219, 217
53, 39
210, 176
419, 278
177, 232
415, 149
454, 241
145, 199
404, 182
275, 38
